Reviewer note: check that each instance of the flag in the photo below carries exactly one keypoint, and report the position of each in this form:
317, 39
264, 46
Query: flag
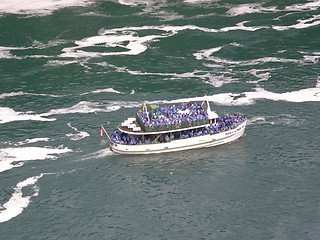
102, 131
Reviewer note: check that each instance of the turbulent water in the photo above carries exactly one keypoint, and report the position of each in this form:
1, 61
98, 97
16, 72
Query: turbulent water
68, 66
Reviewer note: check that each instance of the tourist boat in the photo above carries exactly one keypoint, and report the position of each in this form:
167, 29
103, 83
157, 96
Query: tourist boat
173, 128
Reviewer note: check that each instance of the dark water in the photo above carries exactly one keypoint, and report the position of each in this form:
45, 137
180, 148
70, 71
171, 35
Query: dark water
67, 66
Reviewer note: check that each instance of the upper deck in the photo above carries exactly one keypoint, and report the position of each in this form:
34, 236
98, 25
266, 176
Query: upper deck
158, 119
135, 129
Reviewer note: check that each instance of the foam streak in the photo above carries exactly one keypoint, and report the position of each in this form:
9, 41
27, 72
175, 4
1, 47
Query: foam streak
15, 157
9, 115
76, 136
18, 202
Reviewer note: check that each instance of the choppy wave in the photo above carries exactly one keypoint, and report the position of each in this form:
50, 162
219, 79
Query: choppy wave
18, 201
39, 7
216, 79
126, 40
219, 70
16, 156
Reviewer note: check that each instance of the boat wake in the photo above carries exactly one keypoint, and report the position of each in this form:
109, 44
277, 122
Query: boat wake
98, 154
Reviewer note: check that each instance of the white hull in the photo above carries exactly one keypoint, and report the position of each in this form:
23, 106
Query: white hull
209, 140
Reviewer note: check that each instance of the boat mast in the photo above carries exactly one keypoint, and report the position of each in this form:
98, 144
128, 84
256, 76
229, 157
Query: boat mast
211, 114
146, 110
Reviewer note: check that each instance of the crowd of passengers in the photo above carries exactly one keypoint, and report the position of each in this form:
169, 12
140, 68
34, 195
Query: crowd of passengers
173, 115
222, 124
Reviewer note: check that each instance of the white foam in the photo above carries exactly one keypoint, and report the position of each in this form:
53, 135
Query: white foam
199, 1
241, 26
249, 9
76, 136
53, 63
257, 119
217, 80
309, 6
107, 90
5, 52
38, 7
14, 157
249, 98
103, 153
21, 93
134, 2
83, 107
27, 141
33, 140
318, 83
128, 42
206, 54
99, 154
12, 94
302, 23
18, 201
9, 115
260, 74
313, 59
53, 43
135, 46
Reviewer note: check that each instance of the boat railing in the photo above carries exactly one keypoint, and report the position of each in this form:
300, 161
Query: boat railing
224, 124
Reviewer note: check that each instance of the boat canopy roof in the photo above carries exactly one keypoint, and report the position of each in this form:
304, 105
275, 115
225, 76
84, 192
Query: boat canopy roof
212, 115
